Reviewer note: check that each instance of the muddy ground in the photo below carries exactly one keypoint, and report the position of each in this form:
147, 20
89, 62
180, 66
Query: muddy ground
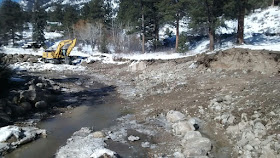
234, 94
225, 90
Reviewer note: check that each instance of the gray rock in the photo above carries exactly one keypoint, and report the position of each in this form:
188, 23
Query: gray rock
178, 155
259, 130
31, 95
190, 135
182, 127
15, 99
98, 134
26, 106
32, 87
40, 85
41, 105
199, 146
4, 119
17, 110
133, 138
32, 60
268, 153
21, 56
174, 116
137, 66
56, 87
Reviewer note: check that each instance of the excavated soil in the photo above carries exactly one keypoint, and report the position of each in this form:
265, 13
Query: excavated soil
190, 85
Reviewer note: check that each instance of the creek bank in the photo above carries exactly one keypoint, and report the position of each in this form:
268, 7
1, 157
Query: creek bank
217, 88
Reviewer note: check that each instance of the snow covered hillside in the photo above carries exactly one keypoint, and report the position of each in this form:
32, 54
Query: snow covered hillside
27, 4
261, 31
47, 4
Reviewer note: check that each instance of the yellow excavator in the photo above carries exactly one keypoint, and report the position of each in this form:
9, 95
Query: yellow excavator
61, 54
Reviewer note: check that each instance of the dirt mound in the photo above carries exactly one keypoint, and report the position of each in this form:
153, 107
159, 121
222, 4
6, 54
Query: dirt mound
244, 59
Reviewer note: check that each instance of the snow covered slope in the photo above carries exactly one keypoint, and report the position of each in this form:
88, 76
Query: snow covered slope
47, 4
27, 4
261, 31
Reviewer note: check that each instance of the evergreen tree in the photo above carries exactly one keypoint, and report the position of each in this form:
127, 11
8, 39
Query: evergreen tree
206, 13
11, 20
39, 23
85, 11
173, 11
142, 16
70, 17
237, 9
57, 14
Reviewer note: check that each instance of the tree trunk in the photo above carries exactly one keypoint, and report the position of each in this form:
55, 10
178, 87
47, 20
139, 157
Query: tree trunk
241, 15
156, 34
211, 35
273, 2
177, 34
211, 28
13, 36
143, 32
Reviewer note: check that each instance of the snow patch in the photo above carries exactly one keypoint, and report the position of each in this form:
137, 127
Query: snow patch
83, 144
32, 67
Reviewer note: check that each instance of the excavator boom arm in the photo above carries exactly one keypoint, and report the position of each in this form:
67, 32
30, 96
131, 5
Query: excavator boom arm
70, 48
63, 43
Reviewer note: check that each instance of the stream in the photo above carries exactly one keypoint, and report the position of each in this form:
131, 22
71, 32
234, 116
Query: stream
99, 108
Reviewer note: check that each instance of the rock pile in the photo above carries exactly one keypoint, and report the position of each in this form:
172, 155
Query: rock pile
193, 143
14, 58
249, 133
252, 139
35, 95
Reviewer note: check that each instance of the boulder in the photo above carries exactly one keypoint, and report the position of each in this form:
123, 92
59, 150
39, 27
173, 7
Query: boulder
198, 146
174, 116
40, 85
267, 152
259, 130
41, 105
182, 127
190, 135
98, 134
26, 106
137, 66
32, 60
31, 95
178, 155
4, 119
17, 110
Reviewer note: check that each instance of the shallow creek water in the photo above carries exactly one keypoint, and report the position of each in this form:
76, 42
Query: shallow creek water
99, 108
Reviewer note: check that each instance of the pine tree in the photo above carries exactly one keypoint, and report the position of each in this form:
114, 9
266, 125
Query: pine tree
142, 16
57, 14
39, 23
206, 13
85, 11
173, 11
11, 20
70, 17
237, 9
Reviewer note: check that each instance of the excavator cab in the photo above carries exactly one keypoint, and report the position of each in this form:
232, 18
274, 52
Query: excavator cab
60, 55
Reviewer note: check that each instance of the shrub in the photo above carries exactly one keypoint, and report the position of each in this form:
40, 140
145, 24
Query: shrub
183, 43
